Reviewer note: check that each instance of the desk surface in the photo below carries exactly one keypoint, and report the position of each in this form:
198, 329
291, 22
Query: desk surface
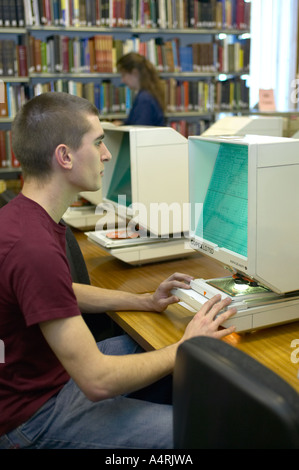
271, 346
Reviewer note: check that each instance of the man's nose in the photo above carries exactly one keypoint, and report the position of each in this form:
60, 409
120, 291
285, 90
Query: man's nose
106, 155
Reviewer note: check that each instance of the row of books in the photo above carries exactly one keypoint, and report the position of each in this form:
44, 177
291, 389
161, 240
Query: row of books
189, 96
7, 156
72, 55
219, 56
12, 97
165, 14
99, 54
8, 159
105, 96
206, 97
181, 96
13, 59
12, 14
108, 98
231, 95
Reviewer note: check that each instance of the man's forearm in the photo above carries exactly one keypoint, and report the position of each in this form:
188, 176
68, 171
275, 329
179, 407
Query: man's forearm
96, 300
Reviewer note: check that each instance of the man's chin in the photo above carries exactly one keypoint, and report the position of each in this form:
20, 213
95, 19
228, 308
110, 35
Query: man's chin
93, 195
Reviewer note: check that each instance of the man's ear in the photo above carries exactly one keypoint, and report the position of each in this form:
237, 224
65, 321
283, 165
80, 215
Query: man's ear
63, 156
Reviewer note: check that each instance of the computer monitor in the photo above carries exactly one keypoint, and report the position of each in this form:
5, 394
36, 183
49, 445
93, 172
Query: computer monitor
244, 195
147, 177
245, 125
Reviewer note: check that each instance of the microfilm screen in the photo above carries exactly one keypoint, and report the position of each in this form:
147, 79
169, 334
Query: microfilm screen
225, 211
121, 178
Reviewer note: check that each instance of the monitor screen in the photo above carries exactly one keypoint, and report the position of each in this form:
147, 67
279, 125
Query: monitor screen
244, 205
223, 220
120, 183
146, 180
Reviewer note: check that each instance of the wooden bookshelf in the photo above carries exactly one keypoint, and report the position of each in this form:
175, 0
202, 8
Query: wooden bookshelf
150, 24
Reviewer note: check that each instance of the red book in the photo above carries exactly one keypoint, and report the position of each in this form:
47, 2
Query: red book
3, 161
240, 14
22, 61
14, 162
47, 12
186, 95
65, 54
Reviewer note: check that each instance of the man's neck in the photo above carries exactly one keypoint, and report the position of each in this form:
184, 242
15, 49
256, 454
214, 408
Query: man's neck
47, 195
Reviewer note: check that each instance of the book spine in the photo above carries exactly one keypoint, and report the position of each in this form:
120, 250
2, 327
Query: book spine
37, 56
76, 13
65, 12
13, 14
3, 156
14, 162
1, 14
82, 13
1, 64
8, 57
6, 13
65, 54
20, 13
3, 100
55, 12
22, 61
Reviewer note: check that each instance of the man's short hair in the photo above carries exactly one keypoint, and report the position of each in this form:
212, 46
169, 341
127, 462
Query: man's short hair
43, 123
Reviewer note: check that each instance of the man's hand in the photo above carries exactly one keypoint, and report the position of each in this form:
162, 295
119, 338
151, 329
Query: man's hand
207, 320
162, 297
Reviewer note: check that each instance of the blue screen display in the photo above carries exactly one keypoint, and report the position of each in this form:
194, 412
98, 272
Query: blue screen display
121, 180
224, 217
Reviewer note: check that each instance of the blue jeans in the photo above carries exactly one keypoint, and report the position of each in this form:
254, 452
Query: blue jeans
70, 421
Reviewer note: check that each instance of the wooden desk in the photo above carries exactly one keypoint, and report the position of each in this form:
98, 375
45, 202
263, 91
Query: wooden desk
108, 272
271, 346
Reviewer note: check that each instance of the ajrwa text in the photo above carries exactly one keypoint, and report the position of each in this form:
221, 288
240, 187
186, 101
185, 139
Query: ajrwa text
164, 459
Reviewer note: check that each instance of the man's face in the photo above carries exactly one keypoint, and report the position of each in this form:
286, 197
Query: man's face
88, 162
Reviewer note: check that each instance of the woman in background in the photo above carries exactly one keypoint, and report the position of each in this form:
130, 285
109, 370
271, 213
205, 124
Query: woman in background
140, 75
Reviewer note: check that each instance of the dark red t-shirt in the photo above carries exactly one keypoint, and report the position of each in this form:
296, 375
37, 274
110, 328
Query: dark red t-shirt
35, 286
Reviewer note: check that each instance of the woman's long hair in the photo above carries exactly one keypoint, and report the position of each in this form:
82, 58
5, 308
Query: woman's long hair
149, 78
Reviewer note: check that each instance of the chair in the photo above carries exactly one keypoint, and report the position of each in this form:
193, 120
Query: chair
6, 196
100, 325
224, 399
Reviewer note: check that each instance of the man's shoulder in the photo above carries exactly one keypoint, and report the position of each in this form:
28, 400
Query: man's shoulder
21, 221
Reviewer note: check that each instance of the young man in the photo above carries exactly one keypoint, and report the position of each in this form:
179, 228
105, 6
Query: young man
58, 388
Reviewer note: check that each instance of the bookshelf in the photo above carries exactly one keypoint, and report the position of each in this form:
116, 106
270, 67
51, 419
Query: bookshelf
73, 46
14, 81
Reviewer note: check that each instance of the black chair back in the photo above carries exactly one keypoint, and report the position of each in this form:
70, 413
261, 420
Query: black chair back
100, 325
224, 399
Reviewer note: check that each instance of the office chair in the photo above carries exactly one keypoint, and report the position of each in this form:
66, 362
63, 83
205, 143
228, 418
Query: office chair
100, 325
224, 399
6, 196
